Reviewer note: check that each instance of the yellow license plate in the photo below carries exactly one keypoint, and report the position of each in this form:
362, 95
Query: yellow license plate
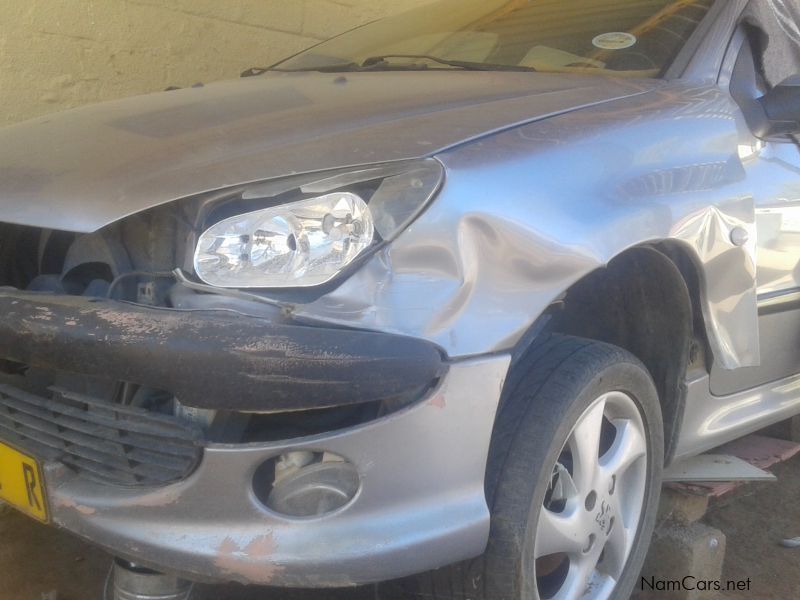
21, 483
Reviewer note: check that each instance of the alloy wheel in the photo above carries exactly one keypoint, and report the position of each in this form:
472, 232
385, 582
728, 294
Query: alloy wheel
592, 509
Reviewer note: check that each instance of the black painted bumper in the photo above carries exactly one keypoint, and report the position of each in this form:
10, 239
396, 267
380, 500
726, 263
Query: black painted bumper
213, 359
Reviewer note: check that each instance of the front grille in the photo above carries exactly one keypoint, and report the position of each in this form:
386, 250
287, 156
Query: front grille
105, 442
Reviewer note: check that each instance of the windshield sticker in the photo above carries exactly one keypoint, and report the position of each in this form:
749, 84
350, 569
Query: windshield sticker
616, 40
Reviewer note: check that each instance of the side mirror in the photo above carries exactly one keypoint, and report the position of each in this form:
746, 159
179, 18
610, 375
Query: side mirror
781, 107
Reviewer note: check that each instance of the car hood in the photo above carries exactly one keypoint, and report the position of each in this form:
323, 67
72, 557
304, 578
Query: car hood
85, 168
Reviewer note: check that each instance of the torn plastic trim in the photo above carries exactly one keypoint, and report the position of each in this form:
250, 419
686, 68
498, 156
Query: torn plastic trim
213, 359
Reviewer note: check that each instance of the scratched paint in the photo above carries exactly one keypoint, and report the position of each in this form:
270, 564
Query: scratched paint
248, 560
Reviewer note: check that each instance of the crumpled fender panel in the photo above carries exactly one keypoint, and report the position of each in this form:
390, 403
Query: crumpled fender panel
528, 212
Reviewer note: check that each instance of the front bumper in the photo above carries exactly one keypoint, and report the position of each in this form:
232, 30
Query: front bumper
421, 501
421, 504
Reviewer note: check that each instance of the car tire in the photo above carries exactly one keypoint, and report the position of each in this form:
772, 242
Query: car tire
573, 481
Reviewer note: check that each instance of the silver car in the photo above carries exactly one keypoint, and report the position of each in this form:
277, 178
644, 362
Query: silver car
435, 300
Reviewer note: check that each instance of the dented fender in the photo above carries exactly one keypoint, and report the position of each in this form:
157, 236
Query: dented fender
528, 212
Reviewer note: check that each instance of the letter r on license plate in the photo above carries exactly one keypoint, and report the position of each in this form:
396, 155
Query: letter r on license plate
21, 483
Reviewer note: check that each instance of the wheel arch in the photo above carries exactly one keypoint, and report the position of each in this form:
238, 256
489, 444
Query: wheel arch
647, 301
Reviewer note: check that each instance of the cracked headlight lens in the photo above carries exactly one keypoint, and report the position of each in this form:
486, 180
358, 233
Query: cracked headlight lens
308, 242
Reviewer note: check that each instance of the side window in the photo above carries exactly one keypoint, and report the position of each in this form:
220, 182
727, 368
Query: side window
748, 83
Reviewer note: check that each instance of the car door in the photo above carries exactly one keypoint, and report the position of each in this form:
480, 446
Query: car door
773, 174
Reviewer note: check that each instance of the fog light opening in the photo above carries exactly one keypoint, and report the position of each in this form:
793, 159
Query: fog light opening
306, 484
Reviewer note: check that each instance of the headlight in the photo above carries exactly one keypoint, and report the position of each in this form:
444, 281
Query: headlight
300, 244
327, 222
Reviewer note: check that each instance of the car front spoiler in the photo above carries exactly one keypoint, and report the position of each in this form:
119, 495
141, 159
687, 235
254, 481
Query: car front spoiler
214, 359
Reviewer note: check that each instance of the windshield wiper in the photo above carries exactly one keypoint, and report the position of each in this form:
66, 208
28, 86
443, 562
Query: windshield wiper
380, 63
374, 61
338, 68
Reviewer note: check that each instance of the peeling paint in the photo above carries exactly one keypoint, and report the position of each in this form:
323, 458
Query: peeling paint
67, 502
159, 498
134, 324
248, 562
438, 401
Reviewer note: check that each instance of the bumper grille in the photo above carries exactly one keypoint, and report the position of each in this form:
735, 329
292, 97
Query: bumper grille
105, 442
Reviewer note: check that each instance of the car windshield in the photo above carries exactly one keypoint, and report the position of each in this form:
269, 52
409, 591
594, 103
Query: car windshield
635, 38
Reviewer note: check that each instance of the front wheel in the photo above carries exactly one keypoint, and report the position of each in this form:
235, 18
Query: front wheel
578, 453
587, 523
573, 480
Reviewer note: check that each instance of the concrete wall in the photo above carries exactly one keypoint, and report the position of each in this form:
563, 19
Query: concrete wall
57, 54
